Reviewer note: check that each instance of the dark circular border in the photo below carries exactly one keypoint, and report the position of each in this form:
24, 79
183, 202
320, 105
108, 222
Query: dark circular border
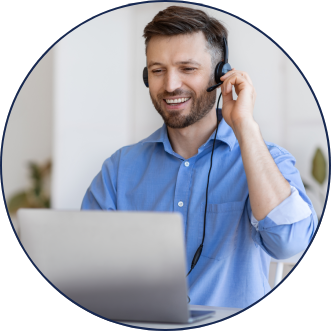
206, 6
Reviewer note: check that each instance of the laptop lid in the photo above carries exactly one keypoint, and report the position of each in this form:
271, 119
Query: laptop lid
126, 266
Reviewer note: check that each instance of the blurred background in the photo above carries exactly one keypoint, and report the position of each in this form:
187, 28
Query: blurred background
85, 99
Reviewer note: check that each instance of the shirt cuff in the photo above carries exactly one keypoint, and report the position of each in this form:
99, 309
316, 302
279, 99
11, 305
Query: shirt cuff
293, 209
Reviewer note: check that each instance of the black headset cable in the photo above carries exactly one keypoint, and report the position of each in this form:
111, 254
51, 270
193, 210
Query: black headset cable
199, 250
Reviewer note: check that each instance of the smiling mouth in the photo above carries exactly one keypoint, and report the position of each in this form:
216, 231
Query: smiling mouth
174, 102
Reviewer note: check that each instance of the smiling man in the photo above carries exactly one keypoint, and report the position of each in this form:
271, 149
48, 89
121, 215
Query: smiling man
256, 208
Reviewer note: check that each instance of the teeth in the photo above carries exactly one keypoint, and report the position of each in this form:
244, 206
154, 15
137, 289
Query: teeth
177, 100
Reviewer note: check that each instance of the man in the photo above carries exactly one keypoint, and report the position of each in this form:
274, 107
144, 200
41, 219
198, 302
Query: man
257, 206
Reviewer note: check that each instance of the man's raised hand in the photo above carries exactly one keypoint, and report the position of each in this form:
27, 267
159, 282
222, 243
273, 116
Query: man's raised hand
236, 111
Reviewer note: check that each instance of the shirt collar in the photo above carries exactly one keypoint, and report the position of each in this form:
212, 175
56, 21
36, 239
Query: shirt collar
160, 136
224, 134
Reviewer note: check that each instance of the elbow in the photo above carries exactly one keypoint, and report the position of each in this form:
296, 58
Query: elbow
290, 239
286, 250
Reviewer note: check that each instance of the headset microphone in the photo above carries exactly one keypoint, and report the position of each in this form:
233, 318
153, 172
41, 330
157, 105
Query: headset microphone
212, 88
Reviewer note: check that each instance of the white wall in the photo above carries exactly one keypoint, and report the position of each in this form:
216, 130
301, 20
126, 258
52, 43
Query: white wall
304, 131
92, 102
146, 120
28, 133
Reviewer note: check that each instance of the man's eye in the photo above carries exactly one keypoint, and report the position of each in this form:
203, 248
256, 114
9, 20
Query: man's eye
189, 69
156, 71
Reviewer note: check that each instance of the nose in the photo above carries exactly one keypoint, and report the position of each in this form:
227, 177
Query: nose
172, 81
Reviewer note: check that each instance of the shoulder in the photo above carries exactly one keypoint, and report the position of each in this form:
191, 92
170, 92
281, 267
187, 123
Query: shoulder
279, 153
139, 150
276, 149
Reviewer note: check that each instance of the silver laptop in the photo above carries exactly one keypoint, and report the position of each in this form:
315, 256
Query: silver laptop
123, 266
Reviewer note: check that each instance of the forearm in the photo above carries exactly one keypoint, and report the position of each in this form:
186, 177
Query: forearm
266, 185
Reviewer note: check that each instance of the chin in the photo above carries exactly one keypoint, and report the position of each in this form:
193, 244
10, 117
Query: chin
179, 121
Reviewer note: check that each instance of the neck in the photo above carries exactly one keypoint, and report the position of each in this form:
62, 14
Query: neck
187, 141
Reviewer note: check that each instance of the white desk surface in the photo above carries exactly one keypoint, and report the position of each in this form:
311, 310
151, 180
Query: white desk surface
220, 313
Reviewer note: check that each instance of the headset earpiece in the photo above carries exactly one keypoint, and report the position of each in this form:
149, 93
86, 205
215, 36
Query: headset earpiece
145, 76
221, 67
220, 70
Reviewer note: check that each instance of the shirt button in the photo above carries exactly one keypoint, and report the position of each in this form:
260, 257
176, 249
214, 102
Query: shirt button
180, 204
187, 164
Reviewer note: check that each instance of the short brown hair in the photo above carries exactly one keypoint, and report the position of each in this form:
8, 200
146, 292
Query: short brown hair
177, 20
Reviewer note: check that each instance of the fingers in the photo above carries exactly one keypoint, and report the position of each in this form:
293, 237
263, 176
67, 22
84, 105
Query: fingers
236, 78
226, 96
233, 71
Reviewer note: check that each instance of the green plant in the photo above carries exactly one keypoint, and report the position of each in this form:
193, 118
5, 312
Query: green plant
36, 196
315, 189
319, 166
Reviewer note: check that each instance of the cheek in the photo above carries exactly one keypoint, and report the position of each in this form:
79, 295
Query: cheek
155, 87
154, 95
197, 83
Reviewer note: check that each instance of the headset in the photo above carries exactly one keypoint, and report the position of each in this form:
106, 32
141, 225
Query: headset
220, 70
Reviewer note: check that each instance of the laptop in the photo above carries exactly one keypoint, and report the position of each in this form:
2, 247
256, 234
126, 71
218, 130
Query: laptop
123, 266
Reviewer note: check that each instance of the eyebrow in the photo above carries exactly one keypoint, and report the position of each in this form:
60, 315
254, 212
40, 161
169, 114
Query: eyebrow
190, 61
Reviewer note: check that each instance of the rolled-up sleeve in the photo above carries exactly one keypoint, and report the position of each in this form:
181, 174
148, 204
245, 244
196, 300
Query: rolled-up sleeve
289, 227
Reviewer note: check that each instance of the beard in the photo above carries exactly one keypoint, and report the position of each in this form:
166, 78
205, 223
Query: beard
200, 106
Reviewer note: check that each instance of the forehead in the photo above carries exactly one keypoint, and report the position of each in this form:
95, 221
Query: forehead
173, 49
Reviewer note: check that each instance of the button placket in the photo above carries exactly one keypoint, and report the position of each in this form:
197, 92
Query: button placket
182, 191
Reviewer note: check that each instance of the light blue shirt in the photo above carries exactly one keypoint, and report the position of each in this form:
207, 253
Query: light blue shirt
234, 265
